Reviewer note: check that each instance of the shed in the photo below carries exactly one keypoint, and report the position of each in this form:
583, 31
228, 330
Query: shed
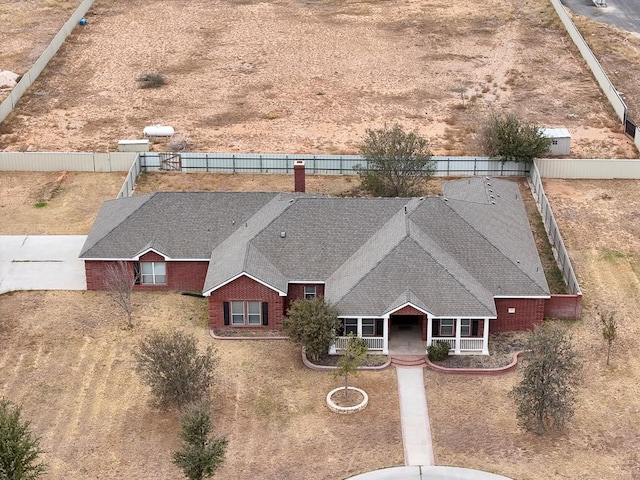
560, 140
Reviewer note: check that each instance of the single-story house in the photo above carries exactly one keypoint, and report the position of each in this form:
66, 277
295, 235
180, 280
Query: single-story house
459, 265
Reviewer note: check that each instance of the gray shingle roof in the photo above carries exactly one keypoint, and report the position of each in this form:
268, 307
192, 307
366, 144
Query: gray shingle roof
448, 256
182, 225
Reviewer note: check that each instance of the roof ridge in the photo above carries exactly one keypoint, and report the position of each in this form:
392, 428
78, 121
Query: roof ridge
395, 228
443, 254
492, 245
87, 247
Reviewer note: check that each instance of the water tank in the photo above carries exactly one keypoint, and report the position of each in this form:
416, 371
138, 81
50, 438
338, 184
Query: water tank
158, 131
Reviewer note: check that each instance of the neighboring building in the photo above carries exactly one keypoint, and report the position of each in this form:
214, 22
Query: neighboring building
459, 265
560, 140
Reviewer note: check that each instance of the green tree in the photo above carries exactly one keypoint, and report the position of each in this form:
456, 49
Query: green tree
171, 365
609, 330
353, 358
311, 324
201, 454
398, 162
546, 395
19, 449
512, 140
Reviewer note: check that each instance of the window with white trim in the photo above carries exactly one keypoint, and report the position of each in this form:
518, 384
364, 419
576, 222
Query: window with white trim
246, 313
310, 292
153, 273
465, 327
350, 325
446, 327
372, 327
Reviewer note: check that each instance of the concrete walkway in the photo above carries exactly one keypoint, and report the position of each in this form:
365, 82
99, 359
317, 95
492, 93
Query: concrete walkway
41, 262
416, 430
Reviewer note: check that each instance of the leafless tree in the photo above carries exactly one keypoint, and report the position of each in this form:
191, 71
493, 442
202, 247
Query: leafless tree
119, 281
609, 330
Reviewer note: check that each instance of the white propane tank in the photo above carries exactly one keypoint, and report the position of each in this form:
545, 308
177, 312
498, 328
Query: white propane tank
158, 131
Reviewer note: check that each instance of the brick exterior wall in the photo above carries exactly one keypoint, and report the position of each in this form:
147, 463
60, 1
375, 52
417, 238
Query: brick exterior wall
245, 289
181, 276
563, 306
528, 312
296, 292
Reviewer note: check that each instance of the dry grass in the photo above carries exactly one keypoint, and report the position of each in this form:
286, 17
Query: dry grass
73, 375
599, 223
71, 201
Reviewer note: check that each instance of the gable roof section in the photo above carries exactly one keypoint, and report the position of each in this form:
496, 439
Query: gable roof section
236, 255
322, 233
181, 225
409, 273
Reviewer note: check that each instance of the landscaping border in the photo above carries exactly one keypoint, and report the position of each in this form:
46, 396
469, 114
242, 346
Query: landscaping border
219, 337
330, 368
476, 371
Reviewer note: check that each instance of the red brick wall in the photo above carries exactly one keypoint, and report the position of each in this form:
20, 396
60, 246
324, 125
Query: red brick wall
563, 306
529, 312
181, 276
245, 289
408, 310
296, 292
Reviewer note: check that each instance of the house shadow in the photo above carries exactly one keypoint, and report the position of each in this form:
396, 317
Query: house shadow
406, 339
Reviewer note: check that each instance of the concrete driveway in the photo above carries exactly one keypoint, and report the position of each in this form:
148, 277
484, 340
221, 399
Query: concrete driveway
624, 14
41, 262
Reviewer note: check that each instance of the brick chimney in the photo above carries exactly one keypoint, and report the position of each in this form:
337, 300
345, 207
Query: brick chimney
298, 176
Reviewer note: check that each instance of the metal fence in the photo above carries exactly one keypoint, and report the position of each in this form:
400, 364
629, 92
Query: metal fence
317, 164
559, 250
72, 161
32, 74
130, 181
596, 168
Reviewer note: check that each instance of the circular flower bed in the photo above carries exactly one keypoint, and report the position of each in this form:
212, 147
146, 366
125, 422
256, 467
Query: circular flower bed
355, 401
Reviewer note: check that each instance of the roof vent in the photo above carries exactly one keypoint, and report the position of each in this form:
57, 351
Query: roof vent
445, 199
283, 234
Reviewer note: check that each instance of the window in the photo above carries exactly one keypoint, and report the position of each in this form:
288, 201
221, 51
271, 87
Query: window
368, 327
465, 327
248, 313
446, 327
309, 292
350, 326
153, 273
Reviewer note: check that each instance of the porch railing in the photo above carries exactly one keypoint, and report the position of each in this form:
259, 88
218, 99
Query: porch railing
373, 343
466, 344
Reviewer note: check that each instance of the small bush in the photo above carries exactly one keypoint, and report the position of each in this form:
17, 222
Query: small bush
438, 352
151, 80
40, 204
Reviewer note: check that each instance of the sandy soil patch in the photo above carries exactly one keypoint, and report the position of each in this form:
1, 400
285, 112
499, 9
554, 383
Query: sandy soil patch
296, 76
73, 375
599, 223
53, 203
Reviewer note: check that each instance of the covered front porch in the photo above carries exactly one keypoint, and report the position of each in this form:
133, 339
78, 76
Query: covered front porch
411, 334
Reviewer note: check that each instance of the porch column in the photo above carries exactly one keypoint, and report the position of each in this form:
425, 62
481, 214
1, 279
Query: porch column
385, 335
485, 337
458, 334
429, 330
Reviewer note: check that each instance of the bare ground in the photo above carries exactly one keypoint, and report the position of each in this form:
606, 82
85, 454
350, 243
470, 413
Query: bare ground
293, 76
71, 201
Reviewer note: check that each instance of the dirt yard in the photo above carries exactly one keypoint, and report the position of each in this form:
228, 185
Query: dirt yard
600, 224
66, 359
53, 203
310, 77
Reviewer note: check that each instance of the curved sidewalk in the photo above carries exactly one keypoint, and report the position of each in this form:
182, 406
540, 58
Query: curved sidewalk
414, 417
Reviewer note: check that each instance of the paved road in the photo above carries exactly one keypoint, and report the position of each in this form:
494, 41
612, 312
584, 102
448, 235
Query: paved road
624, 14
41, 262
